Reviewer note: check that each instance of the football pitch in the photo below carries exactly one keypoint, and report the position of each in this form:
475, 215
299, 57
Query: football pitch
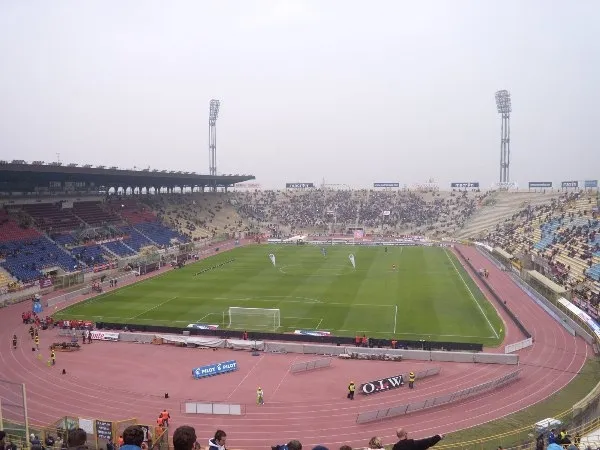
410, 293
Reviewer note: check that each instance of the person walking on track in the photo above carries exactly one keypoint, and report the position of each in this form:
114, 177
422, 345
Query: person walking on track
14, 342
165, 416
351, 389
411, 380
260, 397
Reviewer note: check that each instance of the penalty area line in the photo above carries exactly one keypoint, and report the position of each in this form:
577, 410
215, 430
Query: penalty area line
472, 296
152, 309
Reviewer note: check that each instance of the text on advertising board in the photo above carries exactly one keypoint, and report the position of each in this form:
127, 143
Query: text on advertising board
540, 184
104, 336
385, 384
299, 185
386, 185
568, 184
214, 369
104, 429
591, 183
474, 184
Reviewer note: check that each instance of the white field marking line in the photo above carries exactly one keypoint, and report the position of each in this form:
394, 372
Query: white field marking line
152, 309
319, 324
247, 299
472, 296
247, 375
416, 334
265, 298
284, 376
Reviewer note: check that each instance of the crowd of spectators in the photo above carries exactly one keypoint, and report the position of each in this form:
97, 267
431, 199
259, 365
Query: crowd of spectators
197, 216
393, 210
559, 234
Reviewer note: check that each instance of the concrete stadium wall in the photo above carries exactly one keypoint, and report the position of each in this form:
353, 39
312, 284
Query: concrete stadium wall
420, 355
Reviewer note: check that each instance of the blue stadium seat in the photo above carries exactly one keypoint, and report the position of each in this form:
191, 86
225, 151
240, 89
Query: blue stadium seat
119, 248
90, 255
25, 259
594, 272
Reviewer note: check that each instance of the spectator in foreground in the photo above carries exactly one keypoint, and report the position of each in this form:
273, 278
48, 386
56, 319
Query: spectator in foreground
2, 436
184, 438
218, 442
76, 439
375, 443
345, 447
404, 443
133, 438
294, 444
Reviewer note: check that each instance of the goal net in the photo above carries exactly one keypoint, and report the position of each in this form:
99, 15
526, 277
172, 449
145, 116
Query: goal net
254, 318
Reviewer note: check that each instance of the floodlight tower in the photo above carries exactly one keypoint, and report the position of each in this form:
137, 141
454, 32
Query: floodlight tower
504, 106
212, 137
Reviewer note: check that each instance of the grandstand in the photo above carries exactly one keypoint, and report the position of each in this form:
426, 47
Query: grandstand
432, 213
499, 207
564, 237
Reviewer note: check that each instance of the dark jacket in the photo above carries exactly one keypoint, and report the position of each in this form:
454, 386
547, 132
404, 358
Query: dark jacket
417, 444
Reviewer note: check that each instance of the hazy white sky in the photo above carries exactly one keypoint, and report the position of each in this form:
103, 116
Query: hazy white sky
355, 92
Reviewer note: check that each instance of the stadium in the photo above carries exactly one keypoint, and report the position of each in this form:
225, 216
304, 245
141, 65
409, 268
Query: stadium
157, 309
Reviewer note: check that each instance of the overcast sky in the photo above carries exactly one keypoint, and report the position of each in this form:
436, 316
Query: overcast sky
353, 92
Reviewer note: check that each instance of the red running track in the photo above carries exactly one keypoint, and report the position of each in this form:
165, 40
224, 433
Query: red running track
117, 381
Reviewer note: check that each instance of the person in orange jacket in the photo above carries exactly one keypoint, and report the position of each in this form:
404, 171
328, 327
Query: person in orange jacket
165, 416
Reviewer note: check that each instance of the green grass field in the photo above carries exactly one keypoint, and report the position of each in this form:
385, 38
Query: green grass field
428, 296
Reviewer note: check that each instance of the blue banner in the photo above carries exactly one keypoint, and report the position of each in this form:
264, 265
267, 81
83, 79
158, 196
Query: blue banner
386, 185
569, 184
214, 369
540, 184
591, 183
37, 307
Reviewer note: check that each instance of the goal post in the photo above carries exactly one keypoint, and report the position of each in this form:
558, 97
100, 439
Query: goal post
254, 318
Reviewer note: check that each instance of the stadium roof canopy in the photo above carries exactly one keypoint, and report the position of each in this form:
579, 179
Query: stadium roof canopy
20, 176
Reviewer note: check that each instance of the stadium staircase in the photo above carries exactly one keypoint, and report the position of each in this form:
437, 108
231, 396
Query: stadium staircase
5, 278
500, 207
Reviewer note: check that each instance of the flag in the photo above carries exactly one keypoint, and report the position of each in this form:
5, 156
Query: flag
386, 213
359, 234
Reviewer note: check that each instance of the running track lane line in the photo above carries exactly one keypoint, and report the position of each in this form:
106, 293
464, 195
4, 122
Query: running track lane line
470, 292
285, 375
247, 375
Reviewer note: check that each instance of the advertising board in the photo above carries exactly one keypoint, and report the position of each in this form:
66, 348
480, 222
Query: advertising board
214, 369
382, 385
569, 184
104, 336
386, 185
540, 184
472, 184
299, 185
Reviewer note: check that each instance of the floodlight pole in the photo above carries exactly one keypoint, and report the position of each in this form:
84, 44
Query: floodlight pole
504, 106
212, 139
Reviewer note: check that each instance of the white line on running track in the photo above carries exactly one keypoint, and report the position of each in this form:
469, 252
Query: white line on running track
285, 375
152, 309
472, 296
247, 375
